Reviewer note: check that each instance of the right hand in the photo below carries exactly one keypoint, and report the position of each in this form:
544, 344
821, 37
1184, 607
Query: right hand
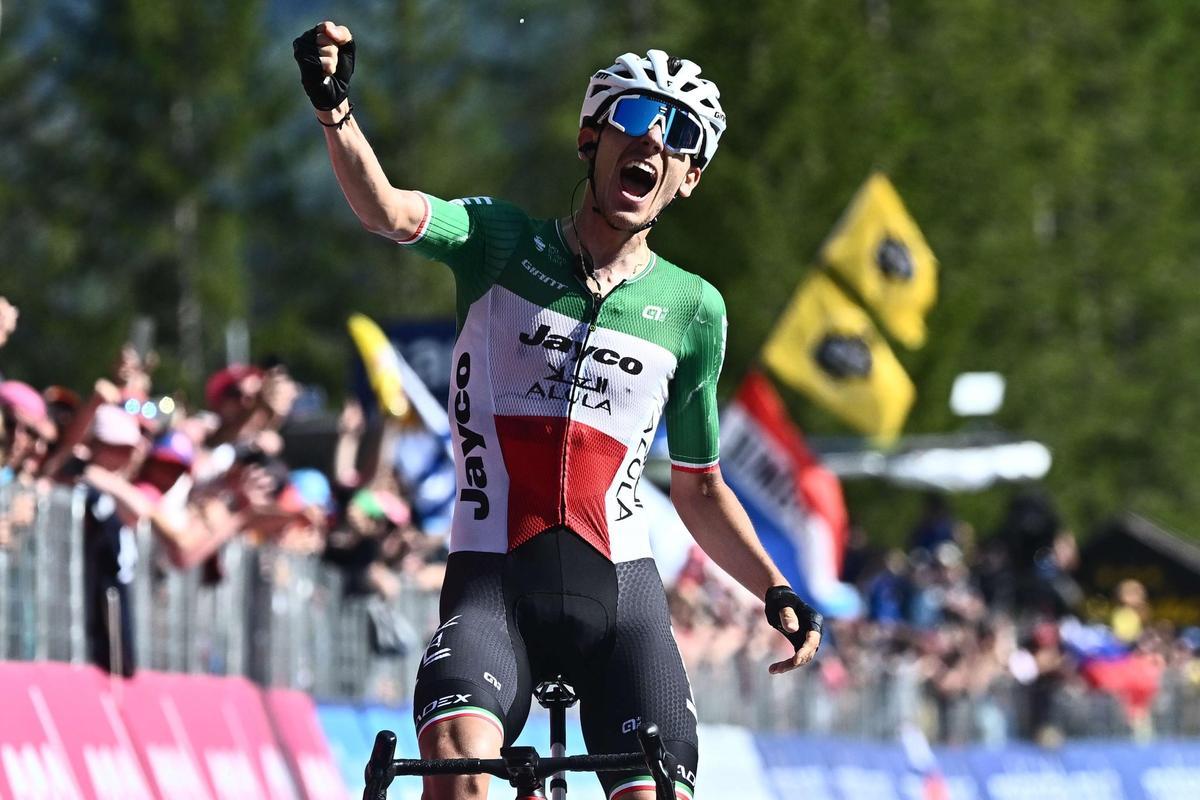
325, 54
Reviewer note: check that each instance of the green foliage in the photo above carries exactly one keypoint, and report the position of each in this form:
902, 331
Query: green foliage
161, 157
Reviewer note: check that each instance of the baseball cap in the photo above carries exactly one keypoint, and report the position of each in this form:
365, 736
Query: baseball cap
174, 447
379, 505
62, 396
313, 488
220, 382
115, 426
28, 406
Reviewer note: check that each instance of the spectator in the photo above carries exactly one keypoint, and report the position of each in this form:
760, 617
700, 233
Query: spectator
112, 508
1056, 592
357, 545
28, 431
1030, 524
1130, 612
888, 591
251, 403
308, 497
936, 525
190, 527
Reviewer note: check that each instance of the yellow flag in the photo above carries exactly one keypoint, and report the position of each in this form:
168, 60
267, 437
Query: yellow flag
879, 252
827, 347
383, 366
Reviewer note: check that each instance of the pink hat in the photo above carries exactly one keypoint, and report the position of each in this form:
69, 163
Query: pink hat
114, 425
27, 405
24, 400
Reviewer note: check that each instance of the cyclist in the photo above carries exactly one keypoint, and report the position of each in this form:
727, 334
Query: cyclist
575, 338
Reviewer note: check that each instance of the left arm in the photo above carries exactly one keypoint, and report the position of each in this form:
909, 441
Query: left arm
704, 501
719, 524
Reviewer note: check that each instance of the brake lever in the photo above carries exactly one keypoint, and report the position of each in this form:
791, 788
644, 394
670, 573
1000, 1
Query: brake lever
378, 773
661, 763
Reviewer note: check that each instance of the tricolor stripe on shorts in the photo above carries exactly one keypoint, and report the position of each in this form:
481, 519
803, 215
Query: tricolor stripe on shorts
644, 783
462, 711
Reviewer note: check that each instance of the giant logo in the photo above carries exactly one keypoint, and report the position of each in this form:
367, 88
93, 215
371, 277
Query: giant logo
542, 337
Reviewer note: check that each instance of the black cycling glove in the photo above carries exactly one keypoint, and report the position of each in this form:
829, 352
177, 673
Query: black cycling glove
325, 91
781, 597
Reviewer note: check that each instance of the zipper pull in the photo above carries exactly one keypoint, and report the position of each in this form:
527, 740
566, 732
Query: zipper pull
596, 301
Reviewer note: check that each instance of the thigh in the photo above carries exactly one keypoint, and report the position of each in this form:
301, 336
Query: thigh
644, 680
472, 667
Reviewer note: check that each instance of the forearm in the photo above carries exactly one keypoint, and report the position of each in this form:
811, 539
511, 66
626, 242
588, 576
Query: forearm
345, 459
379, 206
190, 544
132, 505
719, 524
73, 436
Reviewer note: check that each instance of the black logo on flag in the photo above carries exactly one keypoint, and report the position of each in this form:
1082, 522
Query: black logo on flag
894, 260
843, 357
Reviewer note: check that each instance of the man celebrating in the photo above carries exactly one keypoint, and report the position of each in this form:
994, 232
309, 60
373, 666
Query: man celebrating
575, 338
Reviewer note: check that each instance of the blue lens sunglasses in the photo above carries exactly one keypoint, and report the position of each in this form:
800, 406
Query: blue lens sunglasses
636, 114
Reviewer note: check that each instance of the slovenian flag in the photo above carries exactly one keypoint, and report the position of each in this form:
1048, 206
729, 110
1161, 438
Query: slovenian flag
795, 503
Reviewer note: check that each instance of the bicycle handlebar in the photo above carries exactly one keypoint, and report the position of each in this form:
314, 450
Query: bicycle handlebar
542, 768
382, 767
378, 773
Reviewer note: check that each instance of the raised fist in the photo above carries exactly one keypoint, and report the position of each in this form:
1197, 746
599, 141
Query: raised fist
326, 58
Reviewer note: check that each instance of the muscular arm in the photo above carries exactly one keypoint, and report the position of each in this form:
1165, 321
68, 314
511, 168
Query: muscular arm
715, 518
381, 207
719, 524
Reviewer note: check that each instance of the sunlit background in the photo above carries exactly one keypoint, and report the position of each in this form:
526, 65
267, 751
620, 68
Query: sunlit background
165, 188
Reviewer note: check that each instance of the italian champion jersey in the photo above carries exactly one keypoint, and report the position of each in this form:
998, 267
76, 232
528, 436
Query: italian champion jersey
556, 393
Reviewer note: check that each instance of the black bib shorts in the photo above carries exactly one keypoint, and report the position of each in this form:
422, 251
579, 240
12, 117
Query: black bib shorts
556, 606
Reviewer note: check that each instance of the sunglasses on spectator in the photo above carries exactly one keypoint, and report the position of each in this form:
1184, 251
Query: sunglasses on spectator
635, 114
14, 426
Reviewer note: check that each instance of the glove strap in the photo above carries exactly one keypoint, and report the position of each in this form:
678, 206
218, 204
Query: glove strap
781, 597
338, 125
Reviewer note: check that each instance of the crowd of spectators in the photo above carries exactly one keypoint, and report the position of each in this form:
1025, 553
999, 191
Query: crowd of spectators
199, 474
976, 640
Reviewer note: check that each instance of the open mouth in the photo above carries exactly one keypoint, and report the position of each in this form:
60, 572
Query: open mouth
638, 179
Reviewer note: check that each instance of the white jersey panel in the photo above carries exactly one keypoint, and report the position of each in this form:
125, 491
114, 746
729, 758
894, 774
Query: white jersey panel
628, 520
481, 513
541, 369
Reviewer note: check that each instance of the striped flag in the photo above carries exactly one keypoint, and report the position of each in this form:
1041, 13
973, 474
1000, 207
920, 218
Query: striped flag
795, 503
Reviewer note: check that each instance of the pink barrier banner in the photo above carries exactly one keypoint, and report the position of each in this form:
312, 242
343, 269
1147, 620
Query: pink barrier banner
163, 741
224, 723
300, 732
74, 733
62, 737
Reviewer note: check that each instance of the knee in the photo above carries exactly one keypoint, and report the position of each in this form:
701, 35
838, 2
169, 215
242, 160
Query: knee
461, 738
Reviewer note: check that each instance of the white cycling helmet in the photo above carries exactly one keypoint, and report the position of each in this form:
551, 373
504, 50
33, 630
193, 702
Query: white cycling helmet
672, 78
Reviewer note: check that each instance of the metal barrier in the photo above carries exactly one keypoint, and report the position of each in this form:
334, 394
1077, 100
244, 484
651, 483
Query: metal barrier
41, 575
286, 620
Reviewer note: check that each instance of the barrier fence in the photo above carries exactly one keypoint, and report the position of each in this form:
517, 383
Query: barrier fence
285, 620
